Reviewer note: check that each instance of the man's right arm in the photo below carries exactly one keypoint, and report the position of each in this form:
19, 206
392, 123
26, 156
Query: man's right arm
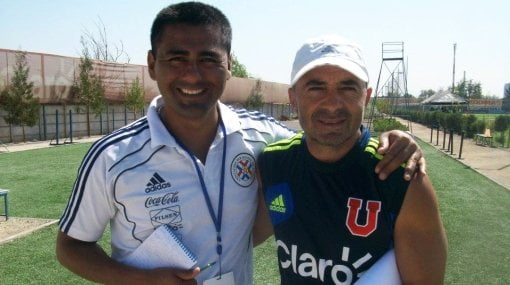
90, 261
262, 229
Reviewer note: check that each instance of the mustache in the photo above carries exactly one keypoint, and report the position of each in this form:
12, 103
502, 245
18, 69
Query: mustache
325, 114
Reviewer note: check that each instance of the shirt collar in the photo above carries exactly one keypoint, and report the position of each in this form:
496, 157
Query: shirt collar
364, 138
230, 118
161, 136
159, 133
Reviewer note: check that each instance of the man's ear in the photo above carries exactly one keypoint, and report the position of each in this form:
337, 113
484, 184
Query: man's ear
369, 94
292, 99
229, 66
151, 62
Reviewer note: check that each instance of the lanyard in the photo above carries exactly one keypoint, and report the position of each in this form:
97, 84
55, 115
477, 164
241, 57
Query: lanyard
216, 218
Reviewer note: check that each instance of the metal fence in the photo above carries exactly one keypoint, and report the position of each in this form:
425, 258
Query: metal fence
60, 124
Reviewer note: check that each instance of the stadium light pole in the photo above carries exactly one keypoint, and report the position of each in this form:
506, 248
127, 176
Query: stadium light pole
453, 79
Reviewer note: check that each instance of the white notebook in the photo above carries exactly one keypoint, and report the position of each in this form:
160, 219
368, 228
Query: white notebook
383, 272
162, 249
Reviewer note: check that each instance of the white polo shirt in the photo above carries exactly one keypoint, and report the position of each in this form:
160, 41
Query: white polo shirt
138, 178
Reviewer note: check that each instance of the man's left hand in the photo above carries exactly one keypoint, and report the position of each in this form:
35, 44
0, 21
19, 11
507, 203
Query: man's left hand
399, 147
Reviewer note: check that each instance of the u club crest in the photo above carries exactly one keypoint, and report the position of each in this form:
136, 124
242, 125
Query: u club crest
242, 169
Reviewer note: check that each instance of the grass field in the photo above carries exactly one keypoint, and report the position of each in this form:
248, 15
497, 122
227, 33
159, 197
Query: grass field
487, 118
475, 211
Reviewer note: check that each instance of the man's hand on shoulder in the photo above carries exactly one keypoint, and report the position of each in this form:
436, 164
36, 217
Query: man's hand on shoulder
399, 147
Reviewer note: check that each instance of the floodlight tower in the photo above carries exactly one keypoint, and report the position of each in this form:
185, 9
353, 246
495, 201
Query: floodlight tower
393, 88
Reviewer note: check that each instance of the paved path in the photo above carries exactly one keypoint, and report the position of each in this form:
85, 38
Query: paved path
494, 163
491, 162
13, 147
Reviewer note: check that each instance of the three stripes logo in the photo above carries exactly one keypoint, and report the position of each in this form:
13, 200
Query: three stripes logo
156, 183
279, 202
277, 205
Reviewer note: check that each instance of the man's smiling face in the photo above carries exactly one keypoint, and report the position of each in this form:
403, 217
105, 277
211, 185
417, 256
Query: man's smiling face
191, 68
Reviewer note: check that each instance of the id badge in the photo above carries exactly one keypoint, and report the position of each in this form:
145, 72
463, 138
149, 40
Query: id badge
226, 279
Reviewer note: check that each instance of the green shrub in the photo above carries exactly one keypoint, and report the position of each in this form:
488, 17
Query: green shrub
442, 120
383, 106
435, 118
255, 100
480, 126
469, 125
500, 139
501, 123
454, 122
382, 125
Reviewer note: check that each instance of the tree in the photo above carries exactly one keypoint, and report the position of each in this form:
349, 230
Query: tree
383, 106
426, 93
461, 90
469, 89
135, 97
506, 98
88, 88
97, 46
475, 90
238, 69
17, 99
3, 104
255, 100
100, 46
392, 94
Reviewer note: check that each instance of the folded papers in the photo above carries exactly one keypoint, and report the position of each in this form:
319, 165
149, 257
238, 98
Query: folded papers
383, 272
162, 249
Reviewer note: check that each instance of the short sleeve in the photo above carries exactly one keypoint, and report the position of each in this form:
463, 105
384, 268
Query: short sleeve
90, 206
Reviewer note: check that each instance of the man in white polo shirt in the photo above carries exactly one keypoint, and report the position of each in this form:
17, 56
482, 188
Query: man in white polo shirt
190, 164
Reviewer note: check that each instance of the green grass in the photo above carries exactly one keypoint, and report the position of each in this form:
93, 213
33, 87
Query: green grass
265, 264
40, 180
475, 212
32, 260
486, 117
476, 215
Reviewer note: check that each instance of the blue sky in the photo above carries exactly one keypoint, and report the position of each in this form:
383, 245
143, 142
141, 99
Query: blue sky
266, 34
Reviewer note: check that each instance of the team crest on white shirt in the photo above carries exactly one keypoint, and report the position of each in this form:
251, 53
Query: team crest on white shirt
242, 169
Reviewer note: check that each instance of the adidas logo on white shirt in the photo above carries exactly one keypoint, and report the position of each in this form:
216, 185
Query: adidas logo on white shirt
156, 183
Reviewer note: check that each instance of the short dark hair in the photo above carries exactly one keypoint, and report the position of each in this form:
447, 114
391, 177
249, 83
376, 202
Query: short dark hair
194, 14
